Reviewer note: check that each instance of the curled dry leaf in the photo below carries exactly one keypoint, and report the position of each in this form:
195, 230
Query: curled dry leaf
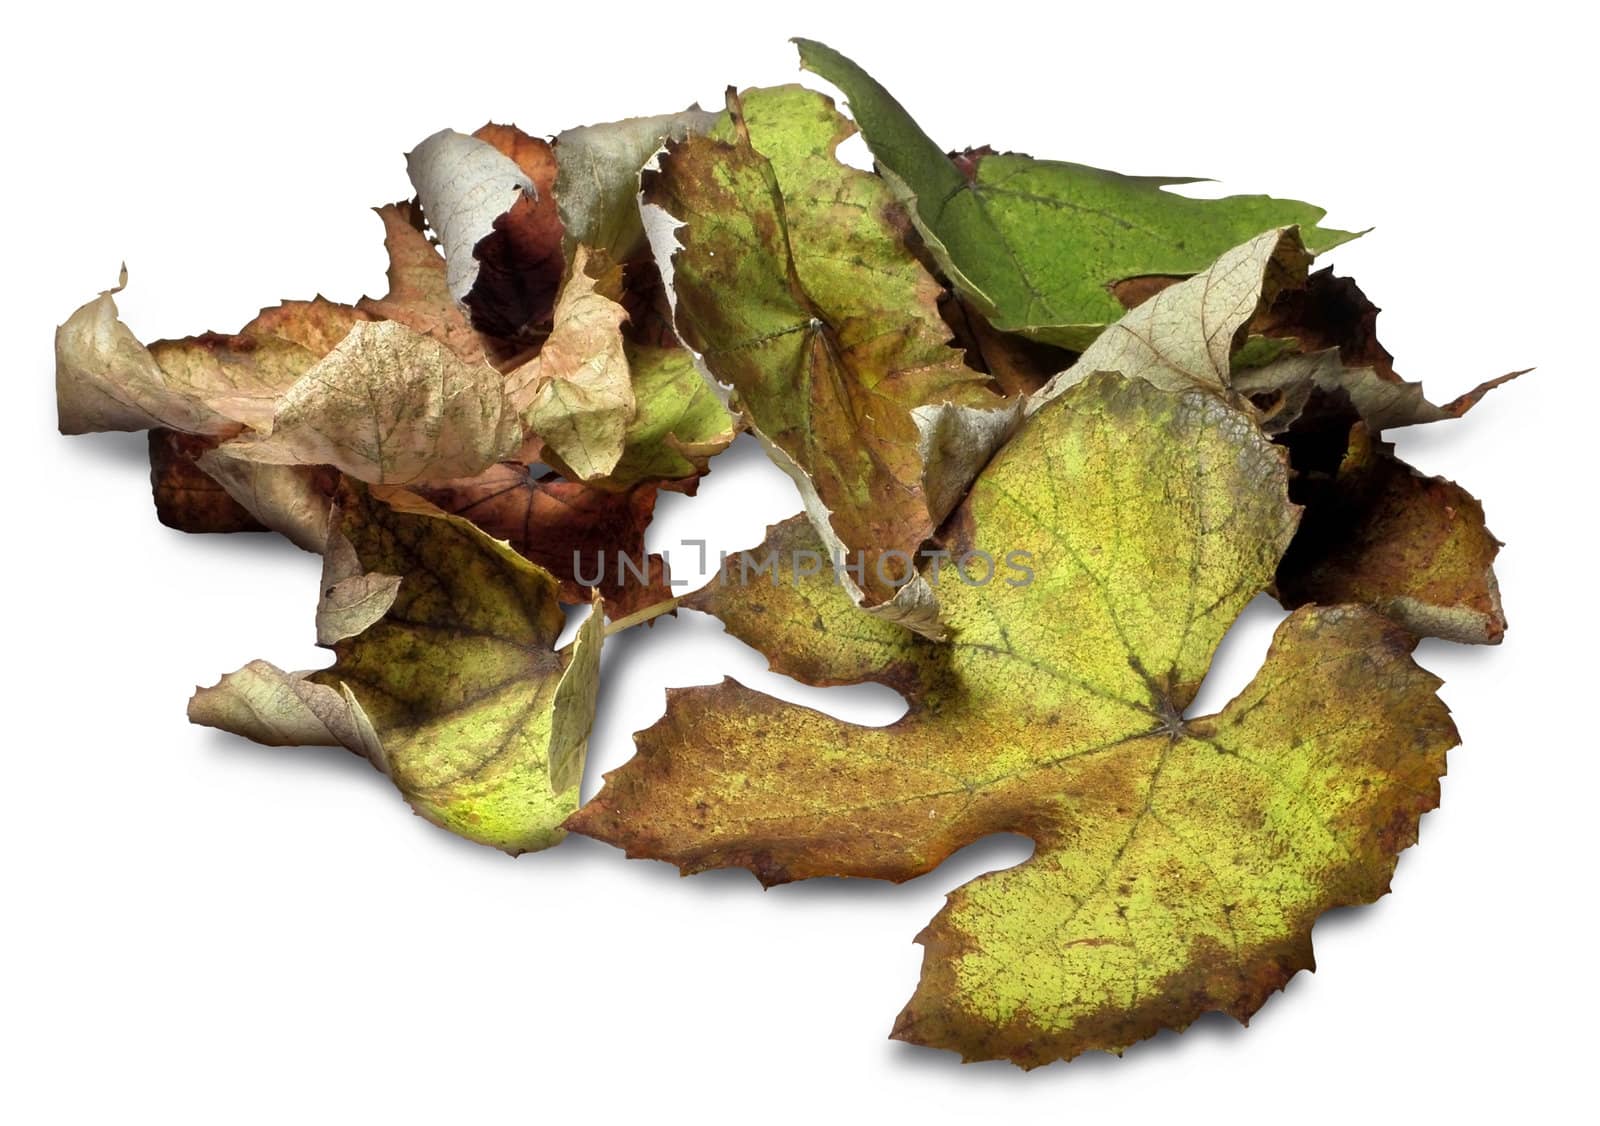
1403, 549
292, 500
1037, 245
490, 199
352, 597
454, 689
794, 284
576, 396
212, 384
1415, 547
1180, 860
597, 179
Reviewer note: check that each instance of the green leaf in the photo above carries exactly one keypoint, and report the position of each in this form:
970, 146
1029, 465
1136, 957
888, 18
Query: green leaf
1036, 244
680, 423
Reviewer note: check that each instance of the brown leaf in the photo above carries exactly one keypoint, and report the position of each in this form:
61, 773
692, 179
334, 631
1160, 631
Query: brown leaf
1415, 547
1019, 366
568, 529
186, 497
521, 264
419, 296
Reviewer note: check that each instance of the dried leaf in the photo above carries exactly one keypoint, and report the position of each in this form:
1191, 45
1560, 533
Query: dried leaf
456, 691
242, 376
597, 182
577, 394
389, 406
494, 221
795, 286
1413, 546
107, 380
209, 384
522, 262
186, 496
352, 598
1037, 245
571, 530
1180, 861
419, 294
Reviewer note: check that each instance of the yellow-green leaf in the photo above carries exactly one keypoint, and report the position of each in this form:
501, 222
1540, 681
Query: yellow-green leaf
1180, 859
453, 687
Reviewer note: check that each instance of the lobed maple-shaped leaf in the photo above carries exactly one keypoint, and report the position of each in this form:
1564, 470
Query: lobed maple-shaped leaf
446, 675
1037, 245
1180, 860
794, 284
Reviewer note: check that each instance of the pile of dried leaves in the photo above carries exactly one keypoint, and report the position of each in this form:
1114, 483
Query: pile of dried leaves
1146, 405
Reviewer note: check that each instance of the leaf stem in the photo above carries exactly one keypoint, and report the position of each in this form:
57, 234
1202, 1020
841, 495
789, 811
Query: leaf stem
652, 611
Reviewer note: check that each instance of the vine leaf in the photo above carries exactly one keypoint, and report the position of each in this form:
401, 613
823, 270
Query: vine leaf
794, 284
389, 406
1037, 245
1181, 860
597, 178
451, 684
1377, 531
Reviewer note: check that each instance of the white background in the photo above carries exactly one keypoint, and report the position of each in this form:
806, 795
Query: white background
201, 930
